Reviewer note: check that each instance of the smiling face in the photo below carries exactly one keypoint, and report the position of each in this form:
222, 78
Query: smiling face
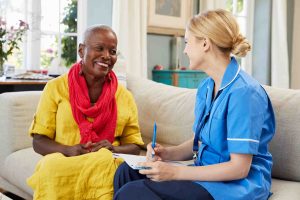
98, 53
195, 49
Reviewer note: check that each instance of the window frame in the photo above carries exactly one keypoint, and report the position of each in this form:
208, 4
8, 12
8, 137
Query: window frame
32, 43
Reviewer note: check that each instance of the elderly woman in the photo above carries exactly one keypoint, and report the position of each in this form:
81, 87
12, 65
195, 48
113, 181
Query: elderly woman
83, 117
234, 121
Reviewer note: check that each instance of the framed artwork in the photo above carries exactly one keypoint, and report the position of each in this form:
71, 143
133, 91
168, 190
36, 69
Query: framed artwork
168, 17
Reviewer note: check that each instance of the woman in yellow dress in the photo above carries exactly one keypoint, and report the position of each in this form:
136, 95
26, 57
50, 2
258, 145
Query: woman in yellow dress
82, 117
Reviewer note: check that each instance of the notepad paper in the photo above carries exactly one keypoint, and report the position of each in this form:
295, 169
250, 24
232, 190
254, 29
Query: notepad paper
133, 160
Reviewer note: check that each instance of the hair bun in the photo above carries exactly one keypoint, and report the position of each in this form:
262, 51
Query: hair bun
240, 46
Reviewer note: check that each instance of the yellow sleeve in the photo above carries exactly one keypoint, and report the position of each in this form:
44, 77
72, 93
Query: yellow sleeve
44, 121
131, 133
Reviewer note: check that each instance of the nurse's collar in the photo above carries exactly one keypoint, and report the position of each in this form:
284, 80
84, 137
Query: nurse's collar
230, 74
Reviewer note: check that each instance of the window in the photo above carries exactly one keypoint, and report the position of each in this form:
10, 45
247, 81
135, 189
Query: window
243, 10
52, 38
58, 32
12, 12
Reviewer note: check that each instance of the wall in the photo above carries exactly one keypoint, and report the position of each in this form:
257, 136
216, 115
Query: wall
159, 52
99, 12
159, 48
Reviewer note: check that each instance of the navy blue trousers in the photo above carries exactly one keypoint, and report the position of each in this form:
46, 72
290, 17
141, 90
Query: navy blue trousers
130, 184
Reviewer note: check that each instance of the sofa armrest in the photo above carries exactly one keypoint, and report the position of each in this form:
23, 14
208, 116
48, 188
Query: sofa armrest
16, 114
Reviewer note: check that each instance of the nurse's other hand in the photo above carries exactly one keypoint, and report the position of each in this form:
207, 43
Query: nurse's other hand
160, 152
160, 171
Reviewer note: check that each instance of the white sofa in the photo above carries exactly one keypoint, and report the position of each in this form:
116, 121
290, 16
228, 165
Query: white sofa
172, 109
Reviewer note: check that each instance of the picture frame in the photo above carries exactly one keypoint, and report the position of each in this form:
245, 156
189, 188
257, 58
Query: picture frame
168, 17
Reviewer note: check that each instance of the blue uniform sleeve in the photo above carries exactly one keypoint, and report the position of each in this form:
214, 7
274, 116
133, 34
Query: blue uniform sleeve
245, 120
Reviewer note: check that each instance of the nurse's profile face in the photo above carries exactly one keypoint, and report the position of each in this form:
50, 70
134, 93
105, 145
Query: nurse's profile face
194, 49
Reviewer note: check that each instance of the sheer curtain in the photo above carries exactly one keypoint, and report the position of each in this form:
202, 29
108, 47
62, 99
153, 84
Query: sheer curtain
295, 82
279, 46
130, 24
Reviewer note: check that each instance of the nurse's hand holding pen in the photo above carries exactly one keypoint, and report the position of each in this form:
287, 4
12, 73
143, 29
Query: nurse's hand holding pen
160, 152
160, 171
155, 151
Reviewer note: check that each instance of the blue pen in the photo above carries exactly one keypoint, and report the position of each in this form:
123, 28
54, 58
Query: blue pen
154, 139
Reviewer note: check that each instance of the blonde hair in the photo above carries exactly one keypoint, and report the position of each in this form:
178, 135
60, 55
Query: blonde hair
222, 29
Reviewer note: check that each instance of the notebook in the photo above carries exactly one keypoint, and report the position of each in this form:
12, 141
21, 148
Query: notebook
133, 160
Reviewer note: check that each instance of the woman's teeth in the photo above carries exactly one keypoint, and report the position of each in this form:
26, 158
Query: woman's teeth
102, 64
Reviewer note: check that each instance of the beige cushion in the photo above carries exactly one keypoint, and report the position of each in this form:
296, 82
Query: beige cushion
172, 108
285, 146
16, 114
284, 190
19, 166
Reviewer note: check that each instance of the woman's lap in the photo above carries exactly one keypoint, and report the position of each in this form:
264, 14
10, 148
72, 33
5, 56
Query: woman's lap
87, 176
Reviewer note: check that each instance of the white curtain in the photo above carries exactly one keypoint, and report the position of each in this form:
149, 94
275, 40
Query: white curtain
279, 51
130, 24
211, 4
295, 80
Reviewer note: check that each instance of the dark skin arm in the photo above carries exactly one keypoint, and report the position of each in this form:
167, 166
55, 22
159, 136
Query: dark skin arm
44, 145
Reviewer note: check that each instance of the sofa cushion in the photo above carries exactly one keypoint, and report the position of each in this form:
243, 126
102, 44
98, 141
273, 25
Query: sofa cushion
171, 107
285, 190
16, 114
285, 146
19, 166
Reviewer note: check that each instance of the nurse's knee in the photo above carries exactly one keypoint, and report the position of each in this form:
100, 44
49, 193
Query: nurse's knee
121, 176
124, 168
128, 191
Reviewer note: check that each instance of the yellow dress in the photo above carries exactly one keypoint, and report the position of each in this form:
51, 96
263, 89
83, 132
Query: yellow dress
88, 176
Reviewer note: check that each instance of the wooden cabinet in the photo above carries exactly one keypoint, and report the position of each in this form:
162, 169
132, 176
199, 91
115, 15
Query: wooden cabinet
179, 78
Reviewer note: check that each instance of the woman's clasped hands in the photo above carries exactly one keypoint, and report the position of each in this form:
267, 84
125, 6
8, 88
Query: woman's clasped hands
88, 147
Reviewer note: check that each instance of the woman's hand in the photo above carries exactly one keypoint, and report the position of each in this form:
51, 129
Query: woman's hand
159, 151
45, 145
160, 171
102, 144
80, 149
77, 149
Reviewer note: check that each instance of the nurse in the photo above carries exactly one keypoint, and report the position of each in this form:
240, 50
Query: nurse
234, 123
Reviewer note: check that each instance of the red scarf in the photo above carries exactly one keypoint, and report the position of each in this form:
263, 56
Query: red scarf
104, 112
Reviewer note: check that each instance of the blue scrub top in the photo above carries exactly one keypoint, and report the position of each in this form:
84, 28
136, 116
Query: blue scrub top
241, 120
